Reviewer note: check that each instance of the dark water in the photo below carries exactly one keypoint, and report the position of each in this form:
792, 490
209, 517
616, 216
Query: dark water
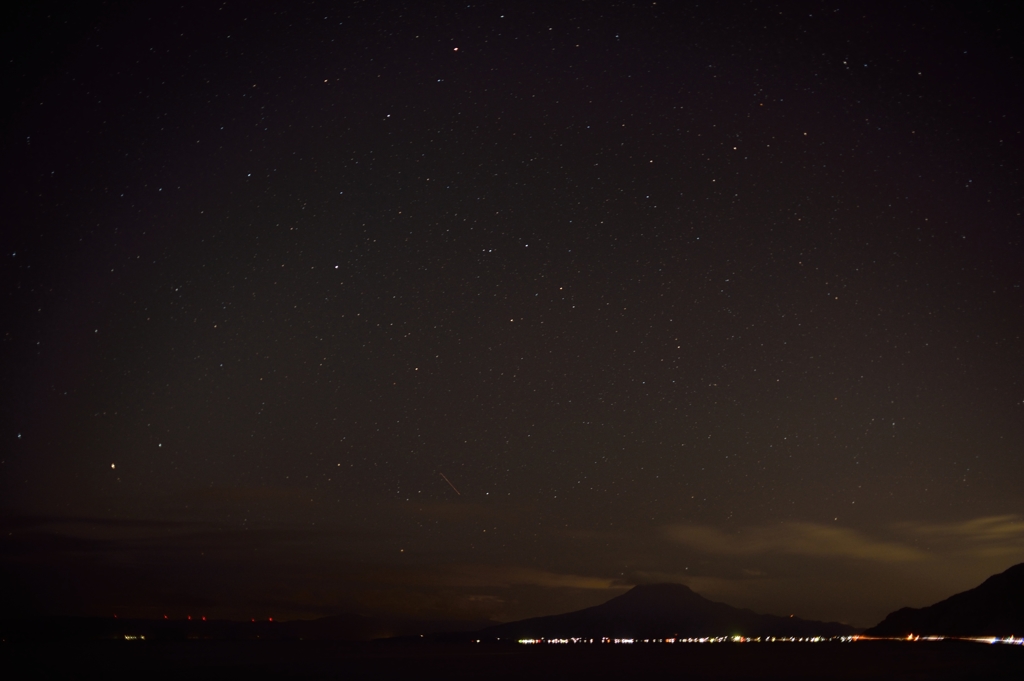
319, 660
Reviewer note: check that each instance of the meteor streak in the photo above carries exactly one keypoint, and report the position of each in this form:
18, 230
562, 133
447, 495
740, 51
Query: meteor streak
450, 483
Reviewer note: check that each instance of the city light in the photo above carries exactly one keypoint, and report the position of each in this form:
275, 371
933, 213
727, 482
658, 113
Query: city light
913, 638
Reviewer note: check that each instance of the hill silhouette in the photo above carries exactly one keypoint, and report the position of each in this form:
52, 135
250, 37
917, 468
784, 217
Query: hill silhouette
663, 611
995, 608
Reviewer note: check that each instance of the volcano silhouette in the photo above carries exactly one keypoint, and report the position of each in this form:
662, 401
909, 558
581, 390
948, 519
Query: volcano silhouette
663, 611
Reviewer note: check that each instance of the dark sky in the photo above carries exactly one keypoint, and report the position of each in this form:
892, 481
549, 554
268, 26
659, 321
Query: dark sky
724, 294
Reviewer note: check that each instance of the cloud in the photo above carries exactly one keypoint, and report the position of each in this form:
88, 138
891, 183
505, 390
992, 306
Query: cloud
503, 576
804, 539
488, 576
705, 585
990, 536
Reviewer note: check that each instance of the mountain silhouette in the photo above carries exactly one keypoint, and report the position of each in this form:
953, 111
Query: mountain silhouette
663, 611
995, 608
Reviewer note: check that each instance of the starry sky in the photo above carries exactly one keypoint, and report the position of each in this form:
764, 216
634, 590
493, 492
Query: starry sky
488, 310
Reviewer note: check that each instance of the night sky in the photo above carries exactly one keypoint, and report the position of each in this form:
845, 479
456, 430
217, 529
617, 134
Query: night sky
496, 309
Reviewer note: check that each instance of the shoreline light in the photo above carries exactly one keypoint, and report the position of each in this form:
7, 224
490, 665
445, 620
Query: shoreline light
912, 638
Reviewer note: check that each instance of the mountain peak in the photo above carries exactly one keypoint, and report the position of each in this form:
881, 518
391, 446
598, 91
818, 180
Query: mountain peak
665, 596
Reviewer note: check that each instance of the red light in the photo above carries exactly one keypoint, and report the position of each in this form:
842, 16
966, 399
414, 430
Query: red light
165, 616
204, 619
270, 619
190, 616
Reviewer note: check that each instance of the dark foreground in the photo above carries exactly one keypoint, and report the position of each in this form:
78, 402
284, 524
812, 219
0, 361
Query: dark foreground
319, 660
